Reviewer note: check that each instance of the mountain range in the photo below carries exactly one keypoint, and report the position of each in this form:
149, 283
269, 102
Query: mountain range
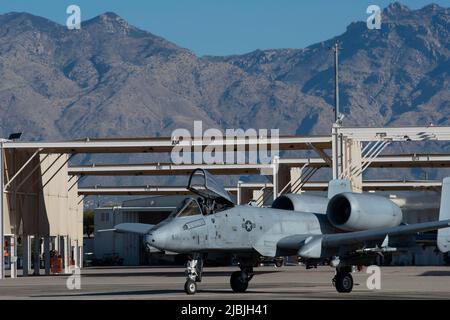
111, 79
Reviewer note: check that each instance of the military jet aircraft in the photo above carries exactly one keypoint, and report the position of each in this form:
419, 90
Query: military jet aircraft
342, 230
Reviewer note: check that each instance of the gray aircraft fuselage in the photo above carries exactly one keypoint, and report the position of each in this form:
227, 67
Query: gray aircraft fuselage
239, 229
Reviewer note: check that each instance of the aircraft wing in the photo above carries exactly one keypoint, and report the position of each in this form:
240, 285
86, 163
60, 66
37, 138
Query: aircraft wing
338, 239
313, 245
136, 228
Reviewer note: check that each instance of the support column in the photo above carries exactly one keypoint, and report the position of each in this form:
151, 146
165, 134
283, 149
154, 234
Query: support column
37, 252
2, 230
353, 159
295, 174
76, 254
280, 177
13, 244
80, 251
262, 197
26, 255
66, 254
47, 255
258, 194
336, 151
61, 246
239, 193
275, 167
56, 247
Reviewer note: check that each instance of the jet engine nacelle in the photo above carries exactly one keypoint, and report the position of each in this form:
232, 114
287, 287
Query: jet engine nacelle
301, 202
355, 211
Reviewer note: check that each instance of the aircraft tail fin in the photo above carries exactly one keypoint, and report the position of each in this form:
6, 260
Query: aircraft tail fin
443, 239
338, 186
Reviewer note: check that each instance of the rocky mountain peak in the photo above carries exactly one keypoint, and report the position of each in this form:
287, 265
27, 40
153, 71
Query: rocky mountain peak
396, 7
110, 22
22, 21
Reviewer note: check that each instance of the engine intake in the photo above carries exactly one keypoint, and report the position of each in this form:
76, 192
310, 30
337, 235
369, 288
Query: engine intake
355, 212
301, 202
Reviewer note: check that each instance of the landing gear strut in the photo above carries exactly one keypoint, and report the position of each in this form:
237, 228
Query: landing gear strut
343, 280
239, 279
194, 269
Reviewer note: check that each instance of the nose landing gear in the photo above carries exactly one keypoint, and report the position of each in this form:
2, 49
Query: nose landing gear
194, 269
190, 287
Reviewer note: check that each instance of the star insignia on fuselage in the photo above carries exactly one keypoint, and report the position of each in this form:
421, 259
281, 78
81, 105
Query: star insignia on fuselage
248, 225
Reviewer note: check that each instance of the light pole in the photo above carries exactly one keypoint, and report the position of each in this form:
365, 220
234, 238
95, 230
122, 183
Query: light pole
336, 82
337, 140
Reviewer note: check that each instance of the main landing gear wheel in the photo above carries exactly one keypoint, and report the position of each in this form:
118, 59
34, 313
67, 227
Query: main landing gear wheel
190, 287
238, 283
279, 263
343, 282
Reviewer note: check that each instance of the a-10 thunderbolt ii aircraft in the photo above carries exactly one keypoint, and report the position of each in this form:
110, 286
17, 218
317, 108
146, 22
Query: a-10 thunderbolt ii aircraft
343, 230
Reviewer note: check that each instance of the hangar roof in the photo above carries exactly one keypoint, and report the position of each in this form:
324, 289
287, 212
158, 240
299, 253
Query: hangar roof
164, 144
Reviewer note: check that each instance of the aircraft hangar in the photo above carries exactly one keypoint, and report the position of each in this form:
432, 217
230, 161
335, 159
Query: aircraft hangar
42, 204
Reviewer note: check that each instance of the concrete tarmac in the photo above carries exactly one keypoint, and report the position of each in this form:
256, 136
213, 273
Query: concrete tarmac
288, 282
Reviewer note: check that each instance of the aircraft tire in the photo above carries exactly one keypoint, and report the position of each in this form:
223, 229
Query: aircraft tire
343, 282
236, 282
190, 287
279, 263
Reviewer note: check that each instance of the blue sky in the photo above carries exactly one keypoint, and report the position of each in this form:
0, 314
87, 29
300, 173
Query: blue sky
222, 27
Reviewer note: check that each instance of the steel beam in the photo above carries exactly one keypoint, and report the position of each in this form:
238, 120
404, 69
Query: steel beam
382, 161
165, 169
308, 186
436, 133
166, 144
22, 168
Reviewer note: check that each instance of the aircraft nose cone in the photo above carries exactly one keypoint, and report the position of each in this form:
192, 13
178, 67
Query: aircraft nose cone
155, 239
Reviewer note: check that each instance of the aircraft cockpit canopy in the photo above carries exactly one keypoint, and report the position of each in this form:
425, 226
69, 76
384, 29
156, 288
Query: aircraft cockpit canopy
203, 183
190, 207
